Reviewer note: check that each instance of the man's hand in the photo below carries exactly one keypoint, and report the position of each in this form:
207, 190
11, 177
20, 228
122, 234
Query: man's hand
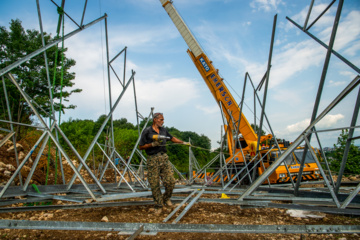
187, 143
155, 144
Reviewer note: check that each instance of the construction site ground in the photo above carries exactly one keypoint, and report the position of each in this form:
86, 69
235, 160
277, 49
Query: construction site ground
199, 213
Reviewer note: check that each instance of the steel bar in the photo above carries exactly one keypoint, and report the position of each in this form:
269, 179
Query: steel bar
320, 88
132, 171
329, 186
110, 197
48, 131
299, 139
49, 85
266, 86
116, 169
35, 163
308, 14
22, 164
48, 196
187, 208
12, 130
136, 233
74, 206
62, 7
193, 228
100, 131
79, 157
22, 124
117, 55
40, 50
351, 197
327, 165
179, 206
136, 107
83, 15
137, 142
6, 138
256, 96
321, 14
325, 46
116, 75
112, 136
348, 142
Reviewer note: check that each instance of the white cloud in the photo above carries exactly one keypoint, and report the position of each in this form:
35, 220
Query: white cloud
325, 20
327, 122
265, 5
167, 94
336, 83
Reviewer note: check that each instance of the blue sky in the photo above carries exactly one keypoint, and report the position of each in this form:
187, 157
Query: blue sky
236, 37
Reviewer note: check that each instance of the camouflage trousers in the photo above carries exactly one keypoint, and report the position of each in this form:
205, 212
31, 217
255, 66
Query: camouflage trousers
159, 167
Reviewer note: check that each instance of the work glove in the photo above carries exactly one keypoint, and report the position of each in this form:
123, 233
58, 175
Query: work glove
187, 143
155, 144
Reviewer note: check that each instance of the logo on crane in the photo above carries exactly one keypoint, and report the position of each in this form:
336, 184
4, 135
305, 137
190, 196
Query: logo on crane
203, 62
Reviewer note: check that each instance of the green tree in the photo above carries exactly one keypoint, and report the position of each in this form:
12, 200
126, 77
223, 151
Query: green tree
79, 133
353, 159
31, 75
125, 140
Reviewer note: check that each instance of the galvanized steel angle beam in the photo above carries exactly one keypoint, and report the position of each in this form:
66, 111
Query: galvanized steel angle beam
76, 206
300, 139
190, 228
179, 206
114, 166
98, 135
40, 50
7, 137
187, 208
135, 149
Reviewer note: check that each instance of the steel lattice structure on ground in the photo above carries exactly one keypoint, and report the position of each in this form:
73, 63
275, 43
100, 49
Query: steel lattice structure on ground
331, 199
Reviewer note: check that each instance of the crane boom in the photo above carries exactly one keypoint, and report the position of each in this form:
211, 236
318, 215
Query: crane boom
237, 123
212, 79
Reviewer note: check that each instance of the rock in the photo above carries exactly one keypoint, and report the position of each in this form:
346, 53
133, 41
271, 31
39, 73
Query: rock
8, 143
19, 147
105, 219
21, 156
352, 178
7, 173
90, 200
48, 216
2, 165
10, 167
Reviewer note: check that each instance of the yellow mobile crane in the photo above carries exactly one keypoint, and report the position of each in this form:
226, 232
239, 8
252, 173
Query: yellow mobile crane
237, 123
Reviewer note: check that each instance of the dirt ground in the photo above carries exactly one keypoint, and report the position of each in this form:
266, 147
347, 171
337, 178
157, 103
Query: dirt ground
200, 213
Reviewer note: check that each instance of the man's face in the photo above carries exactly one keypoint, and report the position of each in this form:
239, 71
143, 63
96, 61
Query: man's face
159, 121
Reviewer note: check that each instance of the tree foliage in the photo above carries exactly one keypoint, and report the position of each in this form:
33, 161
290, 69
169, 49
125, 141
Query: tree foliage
353, 159
17, 43
82, 132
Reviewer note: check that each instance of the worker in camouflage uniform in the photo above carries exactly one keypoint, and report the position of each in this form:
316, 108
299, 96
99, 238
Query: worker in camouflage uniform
158, 163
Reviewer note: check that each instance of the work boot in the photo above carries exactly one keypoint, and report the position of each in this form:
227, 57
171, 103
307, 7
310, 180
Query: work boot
169, 203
